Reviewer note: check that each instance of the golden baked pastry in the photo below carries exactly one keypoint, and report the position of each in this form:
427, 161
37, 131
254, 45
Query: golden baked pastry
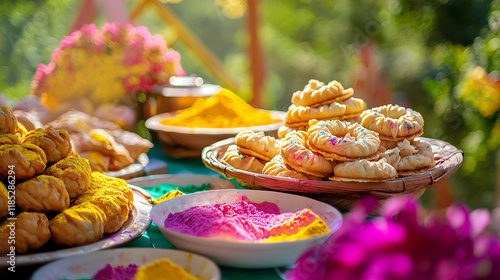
343, 141
135, 144
27, 160
112, 202
74, 172
415, 157
9, 139
316, 93
103, 142
54, 142
31, 232
98, 162
393, 122
296, 154
354, 107
257, 144
8, 121
4, 201
42, 194
78, 225
100, 180
240, 161
364, 171
276, 167
297, 116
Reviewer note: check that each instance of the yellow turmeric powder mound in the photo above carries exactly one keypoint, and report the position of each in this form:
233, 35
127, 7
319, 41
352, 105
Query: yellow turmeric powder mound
163, 269
223, 110
167, 196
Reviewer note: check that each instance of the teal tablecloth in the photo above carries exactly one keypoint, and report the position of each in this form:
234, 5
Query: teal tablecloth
154, 238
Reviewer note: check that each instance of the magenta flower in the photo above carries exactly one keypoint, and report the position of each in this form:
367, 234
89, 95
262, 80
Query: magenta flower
401, 245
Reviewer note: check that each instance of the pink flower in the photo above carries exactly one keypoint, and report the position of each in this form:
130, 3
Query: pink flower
399, 245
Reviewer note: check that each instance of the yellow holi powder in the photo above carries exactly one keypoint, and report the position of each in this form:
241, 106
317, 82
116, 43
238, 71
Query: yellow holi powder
163, 269
317, 227
223, 110
167, 196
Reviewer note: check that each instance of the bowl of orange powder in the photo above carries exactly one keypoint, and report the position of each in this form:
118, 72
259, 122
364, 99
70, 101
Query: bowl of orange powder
184, 133
246, 228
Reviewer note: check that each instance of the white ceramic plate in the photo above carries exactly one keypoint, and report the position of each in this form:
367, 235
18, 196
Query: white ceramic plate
244, 254
136, 224
85, 266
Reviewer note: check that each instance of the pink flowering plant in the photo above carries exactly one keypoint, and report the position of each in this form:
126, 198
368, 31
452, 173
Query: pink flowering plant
399, 245
105, 65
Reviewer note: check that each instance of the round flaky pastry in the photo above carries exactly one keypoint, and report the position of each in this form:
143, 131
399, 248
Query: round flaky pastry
78, 225
4, 201
8, 121
276, 167
54, 142
316, 93
239, 161
31, 232
364, 171
257, 144
25, 161
296, 154
74, 172
42, 194
393, 122
343, 141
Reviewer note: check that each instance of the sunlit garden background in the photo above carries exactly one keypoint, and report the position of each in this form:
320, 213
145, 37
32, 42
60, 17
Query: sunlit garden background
440, 57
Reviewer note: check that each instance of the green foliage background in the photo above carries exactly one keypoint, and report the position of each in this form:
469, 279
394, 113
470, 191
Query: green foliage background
425, 49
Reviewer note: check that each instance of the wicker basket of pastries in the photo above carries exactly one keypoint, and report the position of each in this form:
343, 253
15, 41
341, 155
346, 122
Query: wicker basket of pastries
57, 195
335, 149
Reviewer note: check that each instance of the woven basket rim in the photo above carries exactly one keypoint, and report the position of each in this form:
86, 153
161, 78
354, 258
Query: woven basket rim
448, 161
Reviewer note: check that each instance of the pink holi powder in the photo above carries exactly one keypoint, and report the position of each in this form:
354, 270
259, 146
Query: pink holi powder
242, 220
119, 272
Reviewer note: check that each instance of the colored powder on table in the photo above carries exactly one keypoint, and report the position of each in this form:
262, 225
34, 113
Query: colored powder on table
119, 272
245, 220
167, 196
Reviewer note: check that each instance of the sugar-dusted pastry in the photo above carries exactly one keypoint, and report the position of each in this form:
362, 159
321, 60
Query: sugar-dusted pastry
100, 180
105, 143
4, 201
27, 160
364, 171
78, 225
416, 156
42, 193
257, 144
76, 122
112, 202
343, 141
241, 161
8, 121
276, 167
9, 139
74, 172
296, 153
393, 122
297, 116
31, 232
316, 93
54, 142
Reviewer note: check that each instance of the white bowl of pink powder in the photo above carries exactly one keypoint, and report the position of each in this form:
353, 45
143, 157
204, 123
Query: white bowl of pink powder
237, 228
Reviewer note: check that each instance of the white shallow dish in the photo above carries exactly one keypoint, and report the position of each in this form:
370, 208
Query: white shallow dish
244, 254
85, 266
